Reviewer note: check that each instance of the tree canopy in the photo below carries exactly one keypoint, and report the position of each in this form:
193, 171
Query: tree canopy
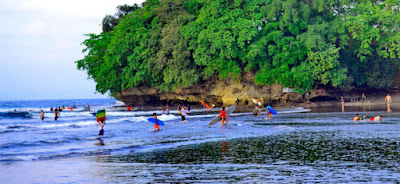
296, 43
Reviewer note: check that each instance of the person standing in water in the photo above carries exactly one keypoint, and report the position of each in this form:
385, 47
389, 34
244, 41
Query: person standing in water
179, 107
388, 101
183, 114
356, 118
102, 122
156, 125
224, 117
166, 109
55, 114
42, 114
269, 112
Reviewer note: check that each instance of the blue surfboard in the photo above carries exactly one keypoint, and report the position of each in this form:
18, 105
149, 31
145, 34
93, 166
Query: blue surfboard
270, 109
153, 120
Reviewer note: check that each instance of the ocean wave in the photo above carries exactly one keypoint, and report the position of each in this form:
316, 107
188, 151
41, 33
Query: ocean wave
15, 114
19, 158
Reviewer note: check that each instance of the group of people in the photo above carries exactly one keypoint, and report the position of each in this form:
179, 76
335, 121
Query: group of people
376, 118
268, 111
87, 108
388, 101
58, 110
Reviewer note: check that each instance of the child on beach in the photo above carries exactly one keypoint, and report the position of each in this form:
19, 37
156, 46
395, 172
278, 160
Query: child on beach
156, 126
101, 127
224, 117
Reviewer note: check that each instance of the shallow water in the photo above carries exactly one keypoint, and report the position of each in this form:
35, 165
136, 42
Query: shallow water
291, 148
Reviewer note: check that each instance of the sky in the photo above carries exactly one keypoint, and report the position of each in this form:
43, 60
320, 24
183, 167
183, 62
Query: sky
40, 40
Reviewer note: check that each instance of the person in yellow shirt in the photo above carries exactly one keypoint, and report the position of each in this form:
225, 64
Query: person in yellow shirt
356, 118
42, 114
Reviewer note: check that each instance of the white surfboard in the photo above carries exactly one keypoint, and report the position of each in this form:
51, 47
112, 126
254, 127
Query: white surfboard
218, 118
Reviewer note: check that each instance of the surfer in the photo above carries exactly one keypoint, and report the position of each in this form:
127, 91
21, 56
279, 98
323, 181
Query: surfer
129, 108
188, 106
237, 101
269, 112
356, 118
183, 114
156, 125
388, 101
224, 117
42, 114
51, 109
102, 122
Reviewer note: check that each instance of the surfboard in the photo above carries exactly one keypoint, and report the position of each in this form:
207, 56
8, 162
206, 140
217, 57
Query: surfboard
258, 103
153, 120
218, 118
204, 104
273, 111
101, 114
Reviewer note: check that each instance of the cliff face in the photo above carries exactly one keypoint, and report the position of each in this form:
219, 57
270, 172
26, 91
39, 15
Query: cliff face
218, 92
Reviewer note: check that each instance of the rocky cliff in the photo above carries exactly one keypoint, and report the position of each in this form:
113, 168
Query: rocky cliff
218, 92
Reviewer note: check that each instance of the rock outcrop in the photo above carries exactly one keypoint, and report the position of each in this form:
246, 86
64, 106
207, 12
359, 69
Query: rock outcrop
218, 92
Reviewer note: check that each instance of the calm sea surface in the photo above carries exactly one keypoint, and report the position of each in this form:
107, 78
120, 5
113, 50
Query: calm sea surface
296, 146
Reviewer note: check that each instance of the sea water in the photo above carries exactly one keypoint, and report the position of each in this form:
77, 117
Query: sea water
296, 146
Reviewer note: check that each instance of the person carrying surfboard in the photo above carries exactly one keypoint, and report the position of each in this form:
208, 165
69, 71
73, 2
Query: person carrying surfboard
224, 117
270, 111
156, 125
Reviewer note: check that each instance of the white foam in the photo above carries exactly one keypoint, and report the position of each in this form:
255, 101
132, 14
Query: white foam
168, 117
293, 110
20, 158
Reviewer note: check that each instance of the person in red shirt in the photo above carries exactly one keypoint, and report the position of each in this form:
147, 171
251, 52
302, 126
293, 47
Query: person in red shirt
156, 126
224, 117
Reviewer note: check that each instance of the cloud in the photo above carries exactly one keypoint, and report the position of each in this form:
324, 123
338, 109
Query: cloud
39, 42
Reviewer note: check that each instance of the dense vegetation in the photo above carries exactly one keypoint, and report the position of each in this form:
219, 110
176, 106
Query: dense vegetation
297, 43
